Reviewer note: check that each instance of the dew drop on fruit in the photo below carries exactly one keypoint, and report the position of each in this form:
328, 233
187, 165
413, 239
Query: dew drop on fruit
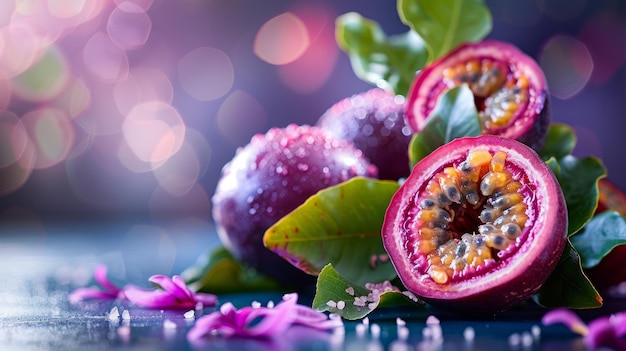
360, 113
303, 167
367, 130
301, 152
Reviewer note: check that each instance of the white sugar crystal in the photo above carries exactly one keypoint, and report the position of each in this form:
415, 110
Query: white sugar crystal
256, 304
199, 306
331, 303
431, 320
375, 330
341, 304
400, 321
168, 324
126, 315
469, 334
189, 314
360, 301
366, 321
114, 314
350, 291
270, 304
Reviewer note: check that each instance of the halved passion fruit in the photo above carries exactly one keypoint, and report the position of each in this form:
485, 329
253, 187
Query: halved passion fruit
510, 90
478, 225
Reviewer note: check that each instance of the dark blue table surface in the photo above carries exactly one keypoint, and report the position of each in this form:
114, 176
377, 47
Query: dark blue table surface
38, 270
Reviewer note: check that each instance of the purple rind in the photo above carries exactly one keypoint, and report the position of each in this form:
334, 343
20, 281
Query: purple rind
375, 121
268, 178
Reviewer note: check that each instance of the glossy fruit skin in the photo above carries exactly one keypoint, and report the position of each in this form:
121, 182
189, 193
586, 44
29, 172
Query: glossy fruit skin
515, 278
375, 121
612, 269
529, 127
270, 177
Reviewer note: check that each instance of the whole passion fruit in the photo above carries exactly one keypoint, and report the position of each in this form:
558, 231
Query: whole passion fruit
611, 270
270, 177
478, 225
510, 90
375, 121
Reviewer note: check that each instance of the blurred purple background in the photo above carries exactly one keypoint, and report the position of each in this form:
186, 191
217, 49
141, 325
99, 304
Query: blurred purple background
127, 110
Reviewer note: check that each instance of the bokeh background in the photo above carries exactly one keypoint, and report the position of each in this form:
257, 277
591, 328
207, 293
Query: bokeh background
126, 110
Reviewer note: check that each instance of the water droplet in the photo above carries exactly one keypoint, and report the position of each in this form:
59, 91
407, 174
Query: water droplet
301, 152
360, 113
303, 167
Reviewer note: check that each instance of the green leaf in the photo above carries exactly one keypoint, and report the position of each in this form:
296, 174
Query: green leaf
454, 116
331, 286
602, 234
444, 24
387, 62
560, 141
568, 286
218, 272
339, 225
579, 178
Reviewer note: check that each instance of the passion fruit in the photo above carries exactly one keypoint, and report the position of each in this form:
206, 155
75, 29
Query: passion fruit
611, 271
270, 177
375, 121
509, 87
478, 226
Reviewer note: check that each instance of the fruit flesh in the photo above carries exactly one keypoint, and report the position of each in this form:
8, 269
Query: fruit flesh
515, 271
455, 246
510, 90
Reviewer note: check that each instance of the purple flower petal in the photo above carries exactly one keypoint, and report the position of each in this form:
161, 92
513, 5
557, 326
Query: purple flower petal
603, 333
100, 276
81, 294
207, 300
107, 289
206, 325
619, 321
157, 299
173, 292
168, 285
180, 282
261, 322
567, 317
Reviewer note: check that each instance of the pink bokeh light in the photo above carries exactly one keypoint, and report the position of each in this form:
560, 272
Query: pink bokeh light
281, 40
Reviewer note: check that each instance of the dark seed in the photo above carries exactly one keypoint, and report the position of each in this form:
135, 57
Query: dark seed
511, 230
427, 204
460, 249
